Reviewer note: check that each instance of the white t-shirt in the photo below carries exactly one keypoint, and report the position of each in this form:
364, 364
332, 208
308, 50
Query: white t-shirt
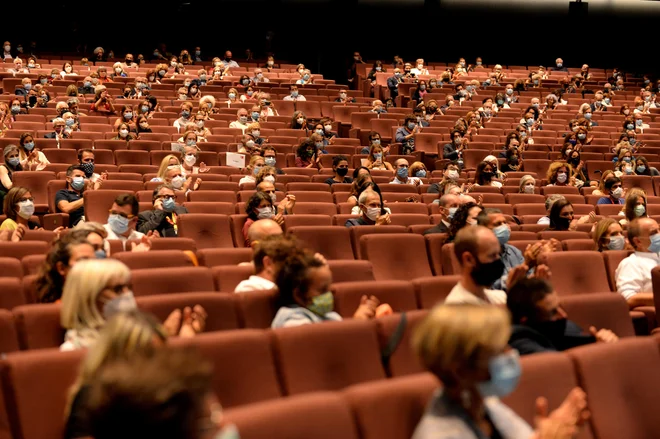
134, 235
410, 180
237, 124
254, 283
633, 275
247, 179
460, 295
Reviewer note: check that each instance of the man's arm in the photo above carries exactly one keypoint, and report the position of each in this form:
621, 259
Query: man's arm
150, 220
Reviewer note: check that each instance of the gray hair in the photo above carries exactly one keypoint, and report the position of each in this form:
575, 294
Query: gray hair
365, 194
72, 100
552, 199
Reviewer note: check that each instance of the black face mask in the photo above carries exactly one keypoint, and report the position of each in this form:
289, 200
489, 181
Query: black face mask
552, 329
342, 172
563, 223
513, 161
486, 274
488, 175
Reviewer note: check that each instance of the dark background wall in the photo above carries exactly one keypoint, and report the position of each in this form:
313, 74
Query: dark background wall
323, 34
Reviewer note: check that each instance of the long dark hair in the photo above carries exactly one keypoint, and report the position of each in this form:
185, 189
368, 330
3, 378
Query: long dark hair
555, 210
254, 202
460, 217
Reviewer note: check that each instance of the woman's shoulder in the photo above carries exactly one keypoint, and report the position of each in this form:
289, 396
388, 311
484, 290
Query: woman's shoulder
8, 224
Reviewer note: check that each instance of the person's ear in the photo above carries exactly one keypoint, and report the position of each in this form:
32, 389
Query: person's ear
267, 262
61, 269
467, 258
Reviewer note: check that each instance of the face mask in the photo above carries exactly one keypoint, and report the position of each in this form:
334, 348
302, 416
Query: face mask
582, 136
118, 224
486, 274
270, 179
15, 109
561, 178
232, 95
509, 91
182, 97
185, 114
402, 173
255, 115
411, 125
626, 112
118, 70
505, 373
322, 304
640, 107
529, 188
256, 133
145, 109
43, 81
190, 160
627, 159
177, 182
243, 119
29, 146
200, 124
420, 174
256, 170
294, 94
270, 63
70, 122
616, 243
342, 95
319, 132
572, 141
530, 122
123, 303
123, 133
607, 101
587, 116
422, 87
500, 102
173, 63
270, 161
168, 203
25, 209
503, 233
264, 213
378, 157
373, 213
618, 192
202, 77
78, 183
452, 212
144, 125
306, 77
632, 141
640, 210
375, 142
535, 105
342, 172
641, 169
655, 243
639, 122
152, 78
300, 120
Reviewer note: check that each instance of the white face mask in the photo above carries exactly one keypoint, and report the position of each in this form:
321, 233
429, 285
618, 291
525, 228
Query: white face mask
561, 178
26, 209
373, 213
529, 188
177, 182
453, 174
123, 133
190, 160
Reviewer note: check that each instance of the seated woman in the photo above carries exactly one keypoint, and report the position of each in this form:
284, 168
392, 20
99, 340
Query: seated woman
634, 206
514, 162
561, 216
124, 336
64, 253
466, 215
485, 176
359, 185
256, 163
31, 159
600, 189
451, 174
643, 167
527, 185
124, 133
376, 159
307, 155
418, 171
304, 284
465, 347
561, 174
496, 167
18, 208
261, 206
168, 160
189, 157
97, 290
608, 235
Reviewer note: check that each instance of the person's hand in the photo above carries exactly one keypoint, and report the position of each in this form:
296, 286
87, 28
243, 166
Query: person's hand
532, 251
198, 182
187, 330
203, 168
603, 335
573, 410
158, 204
289, 203
542, 272
104, 175
279, 219
172, 323
515, 274
199, 316
152, 234
365, 310
18, 234
5, 235
548, 427
417, 182
143, 246
480, 199
383, 220
187, 184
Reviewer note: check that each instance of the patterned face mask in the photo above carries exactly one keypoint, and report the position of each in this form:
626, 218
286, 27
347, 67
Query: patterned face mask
322, 304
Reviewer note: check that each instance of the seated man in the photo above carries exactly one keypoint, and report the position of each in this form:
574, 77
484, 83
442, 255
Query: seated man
70, 200
402, 177
288, 203
614, 189
269, 153
478, 252
86, 160
448, 206
633, 275
540, 324
123, 219
269, 255
163, 218
372, 212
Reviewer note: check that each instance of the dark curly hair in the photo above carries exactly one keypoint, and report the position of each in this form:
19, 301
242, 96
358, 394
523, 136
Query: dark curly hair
460, 218
254, 202
292, 279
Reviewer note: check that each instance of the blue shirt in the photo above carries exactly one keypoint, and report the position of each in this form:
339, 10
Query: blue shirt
609, 200
511, 257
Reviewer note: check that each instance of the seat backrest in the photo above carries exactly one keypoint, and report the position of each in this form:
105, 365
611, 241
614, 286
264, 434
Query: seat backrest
220, 308
37, 382
227, 277
434, 244
316, 357
348, 270
97, 203
575, 279
38, 326
612, 260
333, 242
22, 248
400, 295
11, 292
154, 259
579, 244
391, 408
562, 235
357, 232
207, 230
320, 415
601, 310
538, 371
404, 360
10, 267
150, 281
211, 257
400, 256
233, 354
8, 336
434, 289
621, 403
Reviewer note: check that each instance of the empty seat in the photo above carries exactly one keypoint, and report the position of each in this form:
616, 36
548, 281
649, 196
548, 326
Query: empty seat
434, 244
21, 249
571, 275
357, 232
579, 244
8, 336
306, 220
433, 290
150, 281
154, 259
331, 241
38, 326
207, 230
318, 415
602, 310
10, 267
396, 256
403, 360
400, 295
316, 357
211, 257
345, 270
390, 409
11, 292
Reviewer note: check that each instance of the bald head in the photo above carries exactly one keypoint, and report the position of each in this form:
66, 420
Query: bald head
476, 242
262, 228
640, 231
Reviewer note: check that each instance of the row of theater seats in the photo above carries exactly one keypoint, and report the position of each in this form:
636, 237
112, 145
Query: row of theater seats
267, 365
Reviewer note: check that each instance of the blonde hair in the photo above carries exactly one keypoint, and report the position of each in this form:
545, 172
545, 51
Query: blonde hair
164, 164
600, 229
551, 176
524, 181
125, 334
206, 99
86, 280
263, 172
92, 227
452, 336
254, 159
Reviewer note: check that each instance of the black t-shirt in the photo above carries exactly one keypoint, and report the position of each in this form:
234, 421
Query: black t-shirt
332, 181
68, 195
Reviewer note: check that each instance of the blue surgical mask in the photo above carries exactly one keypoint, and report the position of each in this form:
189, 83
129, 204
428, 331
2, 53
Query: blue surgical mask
421, 173
118, 224
29, 146
632, 141
627, 159
294, 94
530, 122
587, 116
452, 212
169, 204
256, 170
607, 101
505, 373
145, 108
655, 243
411, 125
616, 243
378, 156
503, 233
641, 169
255, 115
14, 161
70, 122
78, 183
100, 254
402, 173
185, 114
270, 161
639, 122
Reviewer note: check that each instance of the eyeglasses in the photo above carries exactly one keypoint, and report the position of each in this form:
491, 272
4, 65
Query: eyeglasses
118, 289
166, 197
122, 214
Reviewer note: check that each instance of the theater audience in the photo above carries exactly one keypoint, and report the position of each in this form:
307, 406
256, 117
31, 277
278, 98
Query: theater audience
448, 206
466, 215
165, 214
70, 200
372, 212
540, 324
18, 207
